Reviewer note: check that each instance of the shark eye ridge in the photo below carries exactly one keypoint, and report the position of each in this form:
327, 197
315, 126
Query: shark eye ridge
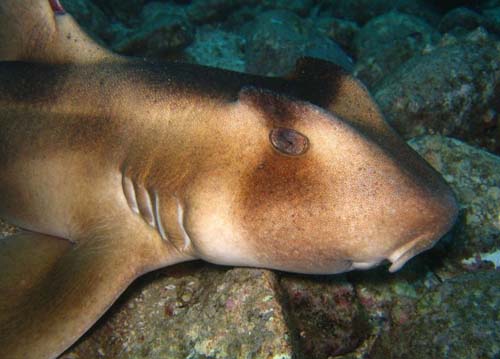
288, 141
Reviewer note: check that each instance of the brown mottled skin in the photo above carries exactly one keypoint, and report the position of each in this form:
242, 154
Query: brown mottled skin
116, 166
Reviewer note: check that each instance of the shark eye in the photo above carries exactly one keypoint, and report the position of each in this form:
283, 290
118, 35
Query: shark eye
288, 141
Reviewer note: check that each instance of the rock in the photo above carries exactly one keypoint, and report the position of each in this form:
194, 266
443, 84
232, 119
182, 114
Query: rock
359, 11
326, 315
362, 11
278, 38
389, 298
300, 7
425, 10
341, 31
236, 13
458, 319
6, 229
218, 48
90, 17
193, 311
207, 11
124, 11
492, 19
389, 40
489, 4
452, 90
474, 175
163, 30
461, 17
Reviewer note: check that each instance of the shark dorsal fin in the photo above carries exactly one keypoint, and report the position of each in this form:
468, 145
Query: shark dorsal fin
42, 31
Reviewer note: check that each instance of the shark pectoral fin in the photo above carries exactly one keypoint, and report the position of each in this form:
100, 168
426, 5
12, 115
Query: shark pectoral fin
330, 86
25, 258
65, 291
41, 31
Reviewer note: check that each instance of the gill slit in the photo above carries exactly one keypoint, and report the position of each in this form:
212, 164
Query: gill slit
180, 222
140, 202
145, 205
129, 192
157, 215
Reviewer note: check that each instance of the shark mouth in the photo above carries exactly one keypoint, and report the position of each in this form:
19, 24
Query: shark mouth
403, 254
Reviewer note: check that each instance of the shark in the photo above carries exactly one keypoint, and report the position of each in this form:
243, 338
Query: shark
116, 166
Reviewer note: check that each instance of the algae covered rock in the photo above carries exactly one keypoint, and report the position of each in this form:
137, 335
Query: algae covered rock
207, 11
492, 18
474, 175
458, 319
389, 40
342, 31
163, 30
193, 311
277, 38
461, 18
301, 7
451, 90
121, 10
90, 17
215, 47
362, 11
6, 229
327, 316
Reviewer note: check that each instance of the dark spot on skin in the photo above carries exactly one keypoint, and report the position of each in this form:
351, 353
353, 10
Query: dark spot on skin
317, 80
30, 83
280, 185
276, 182
34, 90
275, 108
289, 141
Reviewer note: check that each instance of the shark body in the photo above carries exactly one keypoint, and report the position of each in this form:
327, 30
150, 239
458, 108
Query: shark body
117, 166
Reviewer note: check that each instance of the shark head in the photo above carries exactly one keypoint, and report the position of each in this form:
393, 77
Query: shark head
301, 188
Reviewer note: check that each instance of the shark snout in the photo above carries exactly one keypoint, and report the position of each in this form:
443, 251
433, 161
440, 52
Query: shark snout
439, 219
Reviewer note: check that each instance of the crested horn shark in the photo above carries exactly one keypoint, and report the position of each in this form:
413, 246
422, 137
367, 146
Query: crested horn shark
116, 166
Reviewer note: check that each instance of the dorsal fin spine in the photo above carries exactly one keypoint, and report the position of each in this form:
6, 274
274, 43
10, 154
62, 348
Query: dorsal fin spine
57, 7
42, 31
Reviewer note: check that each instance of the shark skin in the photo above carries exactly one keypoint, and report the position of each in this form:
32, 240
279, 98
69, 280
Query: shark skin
115, 167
